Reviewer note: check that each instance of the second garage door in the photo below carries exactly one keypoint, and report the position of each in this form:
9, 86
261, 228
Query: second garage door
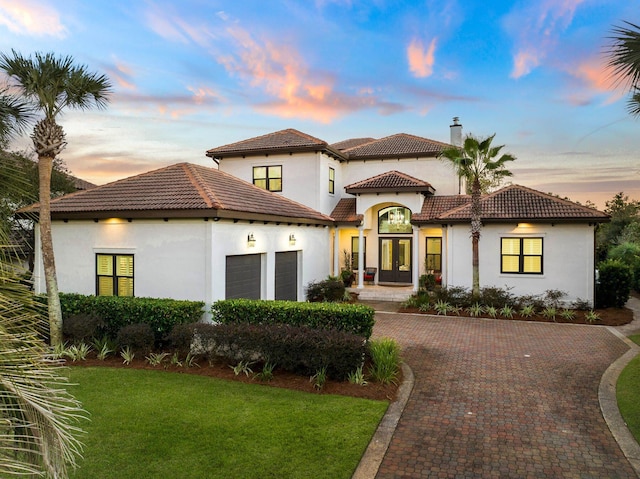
287, 275
243, 276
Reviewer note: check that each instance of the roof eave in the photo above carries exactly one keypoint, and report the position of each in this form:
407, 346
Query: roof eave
275, 150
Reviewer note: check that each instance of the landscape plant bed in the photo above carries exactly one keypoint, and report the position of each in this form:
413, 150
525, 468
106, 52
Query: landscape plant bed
281, 379
608, 316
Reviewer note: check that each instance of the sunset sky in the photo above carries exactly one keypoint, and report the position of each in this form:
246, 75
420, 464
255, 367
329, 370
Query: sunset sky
194, 74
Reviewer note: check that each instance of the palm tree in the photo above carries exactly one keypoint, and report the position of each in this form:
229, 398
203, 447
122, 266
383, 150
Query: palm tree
624, 60
38, 418
14, 116
478, 164
51, 84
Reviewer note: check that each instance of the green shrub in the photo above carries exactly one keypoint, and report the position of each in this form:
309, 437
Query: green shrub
614, 285
629, 254
327, 290
352, 318
117, 311
496, 297
299, 349
81, 327
138, 337
385, 360
457, 295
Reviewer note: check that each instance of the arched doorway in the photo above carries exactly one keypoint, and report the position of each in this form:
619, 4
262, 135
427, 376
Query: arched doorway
395, 244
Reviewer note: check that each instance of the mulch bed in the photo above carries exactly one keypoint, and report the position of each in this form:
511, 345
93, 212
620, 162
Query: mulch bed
608, 316
281, 379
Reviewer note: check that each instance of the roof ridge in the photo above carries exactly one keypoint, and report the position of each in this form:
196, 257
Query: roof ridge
200, 185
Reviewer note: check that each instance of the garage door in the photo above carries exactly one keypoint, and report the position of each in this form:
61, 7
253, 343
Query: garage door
243, 276
287, 275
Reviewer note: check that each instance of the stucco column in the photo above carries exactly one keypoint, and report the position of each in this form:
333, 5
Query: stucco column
416, 257
360, 257
336, 252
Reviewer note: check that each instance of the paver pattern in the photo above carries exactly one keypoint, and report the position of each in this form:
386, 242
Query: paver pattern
502, 399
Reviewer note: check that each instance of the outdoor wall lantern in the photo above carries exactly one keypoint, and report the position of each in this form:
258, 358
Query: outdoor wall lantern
292, 239
251, 240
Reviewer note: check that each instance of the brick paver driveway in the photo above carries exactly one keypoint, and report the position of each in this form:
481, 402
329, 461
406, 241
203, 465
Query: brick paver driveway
502, 399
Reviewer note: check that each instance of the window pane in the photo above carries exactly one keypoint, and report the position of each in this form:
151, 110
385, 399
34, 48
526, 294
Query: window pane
124, 265
275, 184
332, 174
259, 173
510, 245
532, 246
105, 265
532, 264
395, 219
275, 172
404, 255
105, 286
510, 264
434, 245
386, 256
125, 286
261, 184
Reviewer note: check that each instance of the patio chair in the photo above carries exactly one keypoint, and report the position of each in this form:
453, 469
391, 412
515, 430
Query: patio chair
370, 274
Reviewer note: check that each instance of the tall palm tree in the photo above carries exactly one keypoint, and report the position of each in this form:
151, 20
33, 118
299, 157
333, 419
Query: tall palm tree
51, 84
38, 418
477, 162
624, 60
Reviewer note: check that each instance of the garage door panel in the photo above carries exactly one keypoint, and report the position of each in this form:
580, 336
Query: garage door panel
286, 276
243, 275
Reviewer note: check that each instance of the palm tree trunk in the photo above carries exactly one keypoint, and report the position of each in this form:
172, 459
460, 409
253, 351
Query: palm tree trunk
45, 166
476, 225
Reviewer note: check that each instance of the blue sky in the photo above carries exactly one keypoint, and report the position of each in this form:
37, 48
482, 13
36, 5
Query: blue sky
194, 74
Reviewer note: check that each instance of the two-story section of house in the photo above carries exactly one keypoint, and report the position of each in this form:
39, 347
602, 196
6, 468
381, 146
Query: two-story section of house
400, 210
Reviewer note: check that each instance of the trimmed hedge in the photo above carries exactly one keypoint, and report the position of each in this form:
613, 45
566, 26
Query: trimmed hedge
299, 349
118, 311
351, 318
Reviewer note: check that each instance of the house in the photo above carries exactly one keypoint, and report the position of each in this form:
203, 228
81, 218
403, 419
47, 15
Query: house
278, 211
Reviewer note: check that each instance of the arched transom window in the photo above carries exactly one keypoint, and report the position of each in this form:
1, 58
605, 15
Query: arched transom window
394, 219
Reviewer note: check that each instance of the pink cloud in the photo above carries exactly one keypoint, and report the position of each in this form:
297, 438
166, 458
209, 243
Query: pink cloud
421, 62
31, 17
536, 30
596, 78
279, 70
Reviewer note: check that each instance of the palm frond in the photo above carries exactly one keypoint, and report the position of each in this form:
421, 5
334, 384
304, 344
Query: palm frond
624, 53
39, 420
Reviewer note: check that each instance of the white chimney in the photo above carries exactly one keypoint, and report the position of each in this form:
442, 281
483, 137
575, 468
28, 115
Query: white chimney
456, 132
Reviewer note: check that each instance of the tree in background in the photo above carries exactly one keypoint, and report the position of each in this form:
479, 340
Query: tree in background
625, 219
624, 60
482, 167
49, 85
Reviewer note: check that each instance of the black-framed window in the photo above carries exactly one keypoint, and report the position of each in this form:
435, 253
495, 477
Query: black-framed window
521, 255
332, 180
355, 252
114, 274
268, 177
433, 259
394, 219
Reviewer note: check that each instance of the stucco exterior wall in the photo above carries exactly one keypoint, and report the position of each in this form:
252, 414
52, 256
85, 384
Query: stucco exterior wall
436, 172
568, 259
180, 258
305, 177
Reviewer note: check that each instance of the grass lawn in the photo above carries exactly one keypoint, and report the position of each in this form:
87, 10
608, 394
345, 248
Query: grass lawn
155, 424
628, 392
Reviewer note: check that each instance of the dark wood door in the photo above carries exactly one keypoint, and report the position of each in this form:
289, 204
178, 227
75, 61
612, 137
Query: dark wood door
395, 260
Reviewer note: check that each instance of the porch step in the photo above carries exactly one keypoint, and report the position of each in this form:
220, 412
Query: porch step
383, 293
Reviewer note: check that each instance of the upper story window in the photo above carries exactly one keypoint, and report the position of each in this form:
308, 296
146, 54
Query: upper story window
521, 255
332, 180
268, 177
394, 219
114, 274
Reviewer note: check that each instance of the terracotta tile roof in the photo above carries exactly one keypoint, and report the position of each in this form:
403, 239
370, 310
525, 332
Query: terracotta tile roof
345, 212
283, 140
181, 190
401, 145
512, 203
435, 206
390, 181
350, 143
